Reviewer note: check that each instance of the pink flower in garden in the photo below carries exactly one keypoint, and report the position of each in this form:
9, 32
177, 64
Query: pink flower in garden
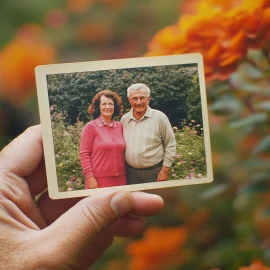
69, 183
72, 178
190, 176
69, 189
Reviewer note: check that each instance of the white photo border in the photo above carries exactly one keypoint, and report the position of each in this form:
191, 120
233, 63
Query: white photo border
44, 108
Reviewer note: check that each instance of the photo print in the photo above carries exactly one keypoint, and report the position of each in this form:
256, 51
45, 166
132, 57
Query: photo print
136, 124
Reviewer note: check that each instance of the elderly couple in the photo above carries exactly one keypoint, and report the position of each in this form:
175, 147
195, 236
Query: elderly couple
139, 149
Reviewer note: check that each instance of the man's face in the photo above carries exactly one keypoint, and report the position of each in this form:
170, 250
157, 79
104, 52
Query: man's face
139, 100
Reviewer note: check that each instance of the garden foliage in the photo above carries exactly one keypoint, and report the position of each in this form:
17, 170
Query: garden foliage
174, 90
222, 225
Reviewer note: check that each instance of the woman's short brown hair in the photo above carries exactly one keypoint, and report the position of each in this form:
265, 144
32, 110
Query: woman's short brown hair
94, 108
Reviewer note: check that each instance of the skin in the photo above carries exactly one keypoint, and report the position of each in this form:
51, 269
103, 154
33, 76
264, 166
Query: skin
139, 100
58, 234
106, 108
106, 111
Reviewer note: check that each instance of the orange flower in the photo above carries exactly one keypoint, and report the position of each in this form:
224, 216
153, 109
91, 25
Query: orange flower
221, 31
159, 248
18, 60
257, 265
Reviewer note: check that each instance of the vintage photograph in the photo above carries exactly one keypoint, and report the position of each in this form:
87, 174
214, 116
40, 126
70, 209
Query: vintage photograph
134, 123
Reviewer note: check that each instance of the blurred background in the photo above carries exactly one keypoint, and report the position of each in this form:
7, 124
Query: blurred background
222, 225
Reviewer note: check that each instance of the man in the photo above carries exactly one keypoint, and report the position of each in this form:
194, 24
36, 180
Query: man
150, 141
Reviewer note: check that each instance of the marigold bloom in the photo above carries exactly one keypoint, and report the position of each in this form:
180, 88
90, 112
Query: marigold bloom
257, 265
18, 60
221, 31
159, 248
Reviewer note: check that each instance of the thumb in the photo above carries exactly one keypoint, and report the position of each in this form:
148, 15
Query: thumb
77, 227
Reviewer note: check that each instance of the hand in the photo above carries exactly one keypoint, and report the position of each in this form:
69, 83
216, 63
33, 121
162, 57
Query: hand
92, 182
58, 234
163, 175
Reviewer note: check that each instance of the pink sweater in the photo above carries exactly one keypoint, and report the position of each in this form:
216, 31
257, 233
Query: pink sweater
102, 149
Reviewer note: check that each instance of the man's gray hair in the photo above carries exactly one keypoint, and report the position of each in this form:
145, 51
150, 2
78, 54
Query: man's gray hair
137, 87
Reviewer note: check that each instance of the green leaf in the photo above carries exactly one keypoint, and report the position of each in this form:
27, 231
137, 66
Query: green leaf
267, 73
255, 163
227, 103
264, 105
257, 187
261, 176
263, 145
250, 120
267, 212
213, 192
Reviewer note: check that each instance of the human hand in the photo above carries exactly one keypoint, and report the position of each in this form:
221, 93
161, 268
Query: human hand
58, 234
163, 175
92, 182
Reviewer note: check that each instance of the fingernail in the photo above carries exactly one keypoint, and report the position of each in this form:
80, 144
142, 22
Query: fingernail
121, 204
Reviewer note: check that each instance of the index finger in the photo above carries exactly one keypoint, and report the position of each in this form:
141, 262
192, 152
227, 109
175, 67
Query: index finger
24, 158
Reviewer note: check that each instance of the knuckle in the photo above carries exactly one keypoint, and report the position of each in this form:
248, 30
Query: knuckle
15, 190
94, 215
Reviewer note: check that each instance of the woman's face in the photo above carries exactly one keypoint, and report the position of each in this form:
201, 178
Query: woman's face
106, 107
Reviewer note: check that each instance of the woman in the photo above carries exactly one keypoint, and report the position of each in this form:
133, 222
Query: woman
102, 143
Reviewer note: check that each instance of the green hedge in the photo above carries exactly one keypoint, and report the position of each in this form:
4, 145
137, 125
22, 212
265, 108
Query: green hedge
175, 90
